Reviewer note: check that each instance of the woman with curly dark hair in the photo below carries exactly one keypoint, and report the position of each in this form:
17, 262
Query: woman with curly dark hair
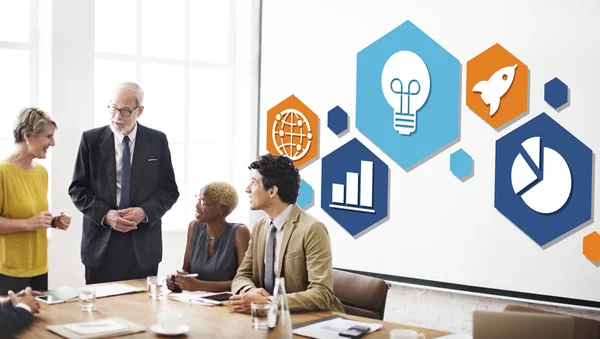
215, 248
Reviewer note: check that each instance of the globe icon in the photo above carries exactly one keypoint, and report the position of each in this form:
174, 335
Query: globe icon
291, 134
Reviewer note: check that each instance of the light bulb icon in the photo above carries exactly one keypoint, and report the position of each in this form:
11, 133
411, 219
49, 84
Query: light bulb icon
405, 83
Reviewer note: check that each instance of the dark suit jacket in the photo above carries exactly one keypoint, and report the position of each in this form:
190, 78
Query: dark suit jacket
94, 192
12, 320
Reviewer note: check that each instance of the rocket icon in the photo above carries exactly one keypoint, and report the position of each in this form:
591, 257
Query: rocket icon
493, 89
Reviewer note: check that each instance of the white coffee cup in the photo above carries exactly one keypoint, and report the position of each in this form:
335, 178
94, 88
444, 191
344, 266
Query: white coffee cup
170, 320
405, 334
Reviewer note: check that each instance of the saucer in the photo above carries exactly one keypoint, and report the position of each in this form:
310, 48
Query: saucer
181, 329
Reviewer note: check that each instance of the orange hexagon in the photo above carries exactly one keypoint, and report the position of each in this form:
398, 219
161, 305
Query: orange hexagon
591, 247
497, 86
293, 130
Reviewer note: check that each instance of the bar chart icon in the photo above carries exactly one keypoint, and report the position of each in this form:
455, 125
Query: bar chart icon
357, 193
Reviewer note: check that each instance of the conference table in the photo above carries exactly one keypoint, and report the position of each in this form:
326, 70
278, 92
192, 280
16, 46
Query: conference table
204, 321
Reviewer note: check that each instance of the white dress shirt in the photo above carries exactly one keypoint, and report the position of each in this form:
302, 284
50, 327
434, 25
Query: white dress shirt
6, 301
119, 154
279, 223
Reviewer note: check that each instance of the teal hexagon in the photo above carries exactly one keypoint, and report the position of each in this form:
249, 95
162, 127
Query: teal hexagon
305, 195
461, 164
436, 87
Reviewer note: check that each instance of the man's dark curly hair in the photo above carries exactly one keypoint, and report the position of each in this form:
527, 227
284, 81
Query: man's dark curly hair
279, 171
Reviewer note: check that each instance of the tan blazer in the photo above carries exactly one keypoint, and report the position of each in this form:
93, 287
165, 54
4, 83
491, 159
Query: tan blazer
304, 262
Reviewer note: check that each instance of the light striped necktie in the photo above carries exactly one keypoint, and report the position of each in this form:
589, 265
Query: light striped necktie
270, 259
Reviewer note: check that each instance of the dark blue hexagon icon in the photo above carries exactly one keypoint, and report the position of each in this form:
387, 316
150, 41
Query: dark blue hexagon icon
543, 180
556, 93
337, 121
305, 195
354, 188
461, 165
408, 95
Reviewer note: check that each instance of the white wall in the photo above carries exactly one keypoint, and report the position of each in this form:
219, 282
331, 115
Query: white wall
72, 106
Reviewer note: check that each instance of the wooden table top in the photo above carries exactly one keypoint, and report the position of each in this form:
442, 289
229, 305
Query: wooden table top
204, 321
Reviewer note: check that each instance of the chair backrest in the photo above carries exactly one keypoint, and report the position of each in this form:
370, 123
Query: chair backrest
361, 295
584, 328
521, 325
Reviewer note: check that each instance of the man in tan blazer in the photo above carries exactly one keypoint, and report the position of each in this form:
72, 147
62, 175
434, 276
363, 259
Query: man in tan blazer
288, 243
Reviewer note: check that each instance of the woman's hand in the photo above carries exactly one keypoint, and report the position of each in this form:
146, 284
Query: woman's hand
186, 283
62, 221
171, 283
40, 220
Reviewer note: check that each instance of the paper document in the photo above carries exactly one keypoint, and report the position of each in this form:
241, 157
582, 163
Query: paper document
330, 328
456, 336
63, 293
116, 289
194, 298
97, 327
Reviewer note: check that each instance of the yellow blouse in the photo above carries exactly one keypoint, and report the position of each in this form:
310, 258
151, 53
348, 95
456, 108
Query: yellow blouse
23, 194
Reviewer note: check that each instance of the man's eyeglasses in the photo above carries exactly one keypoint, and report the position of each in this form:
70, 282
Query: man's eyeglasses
124, 111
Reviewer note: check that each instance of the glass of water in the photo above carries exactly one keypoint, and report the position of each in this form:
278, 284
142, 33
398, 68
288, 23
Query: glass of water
87, 298
260, 311
155, 286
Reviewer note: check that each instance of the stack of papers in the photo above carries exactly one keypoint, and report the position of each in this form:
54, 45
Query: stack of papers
330, 327
116, 289
103, 326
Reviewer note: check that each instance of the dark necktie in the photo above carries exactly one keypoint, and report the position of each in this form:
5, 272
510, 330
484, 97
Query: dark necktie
270, 260
125, 174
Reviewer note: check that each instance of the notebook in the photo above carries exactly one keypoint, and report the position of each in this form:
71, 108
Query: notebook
103, 328
63, 293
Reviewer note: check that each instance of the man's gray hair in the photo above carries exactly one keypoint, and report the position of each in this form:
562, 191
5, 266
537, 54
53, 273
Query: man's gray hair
135, 88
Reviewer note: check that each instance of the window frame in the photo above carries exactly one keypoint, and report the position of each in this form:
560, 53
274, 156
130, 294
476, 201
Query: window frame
186, 192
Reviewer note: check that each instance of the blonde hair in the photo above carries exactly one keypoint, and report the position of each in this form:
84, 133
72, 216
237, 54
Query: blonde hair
222, 194
31, 121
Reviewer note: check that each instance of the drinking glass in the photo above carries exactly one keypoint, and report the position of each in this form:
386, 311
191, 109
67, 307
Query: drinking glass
87, 298
260, 310
155, 286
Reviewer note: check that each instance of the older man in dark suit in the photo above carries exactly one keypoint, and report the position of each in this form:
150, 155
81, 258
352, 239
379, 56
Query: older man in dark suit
123, 183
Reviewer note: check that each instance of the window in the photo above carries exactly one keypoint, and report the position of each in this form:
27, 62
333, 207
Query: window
182, 57
25, 62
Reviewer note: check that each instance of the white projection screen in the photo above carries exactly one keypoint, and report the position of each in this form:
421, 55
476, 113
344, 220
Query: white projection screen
441, 231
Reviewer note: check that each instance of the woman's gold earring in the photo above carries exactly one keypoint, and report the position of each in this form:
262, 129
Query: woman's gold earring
27, 142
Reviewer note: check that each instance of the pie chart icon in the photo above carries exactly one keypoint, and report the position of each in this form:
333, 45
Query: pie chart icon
541, 176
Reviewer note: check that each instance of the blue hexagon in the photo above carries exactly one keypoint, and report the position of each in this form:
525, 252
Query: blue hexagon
461, 164
354, 188
543, 180
556, 93
305, 195
408, 95
337, 121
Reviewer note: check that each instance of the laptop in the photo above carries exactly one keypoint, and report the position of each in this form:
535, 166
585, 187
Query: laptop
521, 325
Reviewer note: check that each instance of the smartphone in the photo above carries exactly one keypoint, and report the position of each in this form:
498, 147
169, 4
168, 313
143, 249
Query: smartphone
223, 296
48, 299
355, 331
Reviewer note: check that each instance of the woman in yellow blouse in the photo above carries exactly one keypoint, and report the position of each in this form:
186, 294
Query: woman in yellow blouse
24, 215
